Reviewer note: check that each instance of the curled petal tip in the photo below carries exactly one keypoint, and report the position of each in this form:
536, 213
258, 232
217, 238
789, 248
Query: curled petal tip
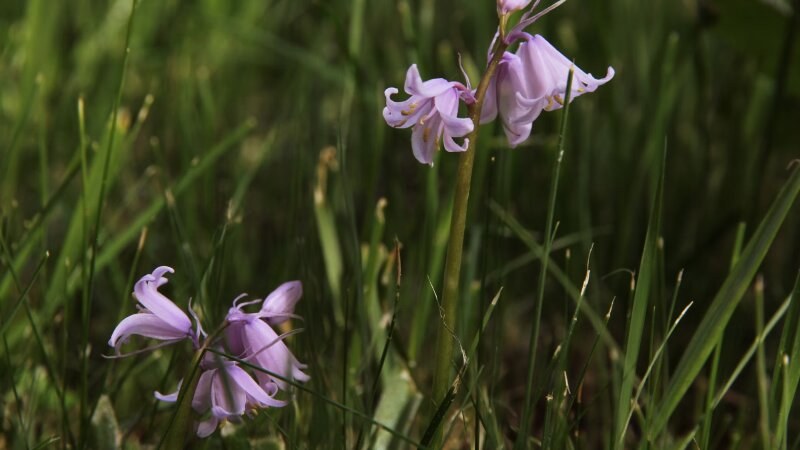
279, 304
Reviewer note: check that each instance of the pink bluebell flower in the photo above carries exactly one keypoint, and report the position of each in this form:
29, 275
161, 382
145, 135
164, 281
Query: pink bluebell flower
546, 71
250, 336
278, 307
432, 111
225, 391
508, 6
158, 317
501, 98
532, 80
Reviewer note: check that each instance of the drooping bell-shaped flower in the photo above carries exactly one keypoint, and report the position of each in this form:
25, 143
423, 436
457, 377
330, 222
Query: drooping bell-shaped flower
158, 317
546, 71
432, 111
249, 336
501, 99
225, 391
508, 6
278, 307
532, 80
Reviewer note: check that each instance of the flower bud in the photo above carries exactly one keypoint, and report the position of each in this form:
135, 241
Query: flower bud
508, 6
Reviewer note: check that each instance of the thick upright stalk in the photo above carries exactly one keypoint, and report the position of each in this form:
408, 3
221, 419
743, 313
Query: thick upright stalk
455, 243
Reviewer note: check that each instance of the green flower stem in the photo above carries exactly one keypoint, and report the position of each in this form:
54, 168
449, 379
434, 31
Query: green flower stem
455, 243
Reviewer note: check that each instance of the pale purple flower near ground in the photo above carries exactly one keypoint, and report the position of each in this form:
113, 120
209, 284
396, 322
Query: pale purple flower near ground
158, 317
508, 6
532, 80
225, 390
250, 337
432, 111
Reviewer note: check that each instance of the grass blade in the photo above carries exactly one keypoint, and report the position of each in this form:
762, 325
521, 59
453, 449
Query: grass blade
644, 281
716, 318
548, 242
791, 377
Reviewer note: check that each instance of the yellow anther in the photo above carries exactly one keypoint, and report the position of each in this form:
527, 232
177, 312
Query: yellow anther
410, 109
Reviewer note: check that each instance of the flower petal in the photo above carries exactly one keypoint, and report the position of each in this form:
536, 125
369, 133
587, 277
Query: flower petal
146, 292
201, 401
517, 133
267, 350
207, 427
508, 6
406, 113
227, 399
425, 139
234, 340
489, 110
548, 69
253, 390
447, 105
426, 89
280, 303
169, 398
144, 324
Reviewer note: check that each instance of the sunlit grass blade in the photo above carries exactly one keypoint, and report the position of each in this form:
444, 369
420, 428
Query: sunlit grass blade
327, 230
641, 301
716, 318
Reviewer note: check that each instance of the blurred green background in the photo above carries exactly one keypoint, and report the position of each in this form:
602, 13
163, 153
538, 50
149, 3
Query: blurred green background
249, 143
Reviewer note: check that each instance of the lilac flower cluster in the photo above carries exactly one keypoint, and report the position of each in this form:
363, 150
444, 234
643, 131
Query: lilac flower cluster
526, 82
225, 390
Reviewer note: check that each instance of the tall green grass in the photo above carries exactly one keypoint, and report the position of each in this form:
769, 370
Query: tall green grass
242, 143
